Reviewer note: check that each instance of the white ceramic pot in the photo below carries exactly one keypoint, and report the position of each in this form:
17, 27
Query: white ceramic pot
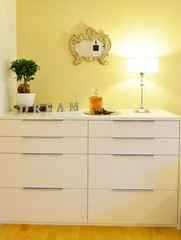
25, 98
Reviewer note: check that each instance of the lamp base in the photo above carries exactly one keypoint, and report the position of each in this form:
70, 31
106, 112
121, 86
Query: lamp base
142, 110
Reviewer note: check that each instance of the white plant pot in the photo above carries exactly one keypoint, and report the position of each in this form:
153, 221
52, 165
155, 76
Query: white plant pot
25, 98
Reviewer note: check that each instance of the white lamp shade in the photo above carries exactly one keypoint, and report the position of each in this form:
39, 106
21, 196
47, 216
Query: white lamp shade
142, 65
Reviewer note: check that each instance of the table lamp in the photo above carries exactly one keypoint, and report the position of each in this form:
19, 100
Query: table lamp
142, 66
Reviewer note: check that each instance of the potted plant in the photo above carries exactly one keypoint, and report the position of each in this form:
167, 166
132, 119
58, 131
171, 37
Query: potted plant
24, 70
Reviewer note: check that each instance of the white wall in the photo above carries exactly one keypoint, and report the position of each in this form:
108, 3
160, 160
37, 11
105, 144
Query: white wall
7, 53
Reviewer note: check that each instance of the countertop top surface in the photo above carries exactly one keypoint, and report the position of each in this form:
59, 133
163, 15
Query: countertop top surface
121, 115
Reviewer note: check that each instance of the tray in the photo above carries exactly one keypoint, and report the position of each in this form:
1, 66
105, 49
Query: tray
107, 113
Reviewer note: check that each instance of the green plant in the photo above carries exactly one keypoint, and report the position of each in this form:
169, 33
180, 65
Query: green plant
24, 70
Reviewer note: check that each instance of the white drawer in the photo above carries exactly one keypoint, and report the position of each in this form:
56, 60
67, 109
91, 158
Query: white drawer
67, 171
133, 207
51, 206
42, 145
133, 146
134, 128
43, 128
157, 172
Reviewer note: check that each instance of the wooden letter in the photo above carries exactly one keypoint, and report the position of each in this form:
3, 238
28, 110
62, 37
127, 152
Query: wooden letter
23, 108
60, 108
48, 107
36, 108
74, 106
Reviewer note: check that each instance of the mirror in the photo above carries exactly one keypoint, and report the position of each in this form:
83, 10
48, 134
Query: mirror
89, 46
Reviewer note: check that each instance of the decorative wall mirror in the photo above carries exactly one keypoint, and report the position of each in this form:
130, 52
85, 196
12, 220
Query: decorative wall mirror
89, 46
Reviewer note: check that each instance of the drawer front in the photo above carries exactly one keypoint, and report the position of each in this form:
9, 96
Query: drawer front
133, 146
156, 172
42, 145
43, 128
133, 207
66, 171
67, 205
134, 128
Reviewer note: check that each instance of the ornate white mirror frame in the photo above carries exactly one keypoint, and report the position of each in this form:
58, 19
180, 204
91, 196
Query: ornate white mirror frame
89, 46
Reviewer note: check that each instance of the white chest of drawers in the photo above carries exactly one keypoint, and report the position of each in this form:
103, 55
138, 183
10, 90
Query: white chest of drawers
78, 169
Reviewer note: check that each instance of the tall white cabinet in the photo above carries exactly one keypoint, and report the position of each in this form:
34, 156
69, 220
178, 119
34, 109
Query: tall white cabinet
72, 168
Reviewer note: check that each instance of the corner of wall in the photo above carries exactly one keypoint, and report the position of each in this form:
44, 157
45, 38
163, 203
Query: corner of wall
8, 53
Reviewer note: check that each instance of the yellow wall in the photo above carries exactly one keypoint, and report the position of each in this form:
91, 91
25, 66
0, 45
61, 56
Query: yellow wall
137, 28
7, 52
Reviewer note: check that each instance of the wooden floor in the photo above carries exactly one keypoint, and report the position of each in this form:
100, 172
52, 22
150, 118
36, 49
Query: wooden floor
54, 232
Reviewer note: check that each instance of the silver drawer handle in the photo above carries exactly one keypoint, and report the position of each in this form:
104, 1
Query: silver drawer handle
128, 154
41, 119
42, 137
29, 153
132, 189
133, 137
117, 120
42, 188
